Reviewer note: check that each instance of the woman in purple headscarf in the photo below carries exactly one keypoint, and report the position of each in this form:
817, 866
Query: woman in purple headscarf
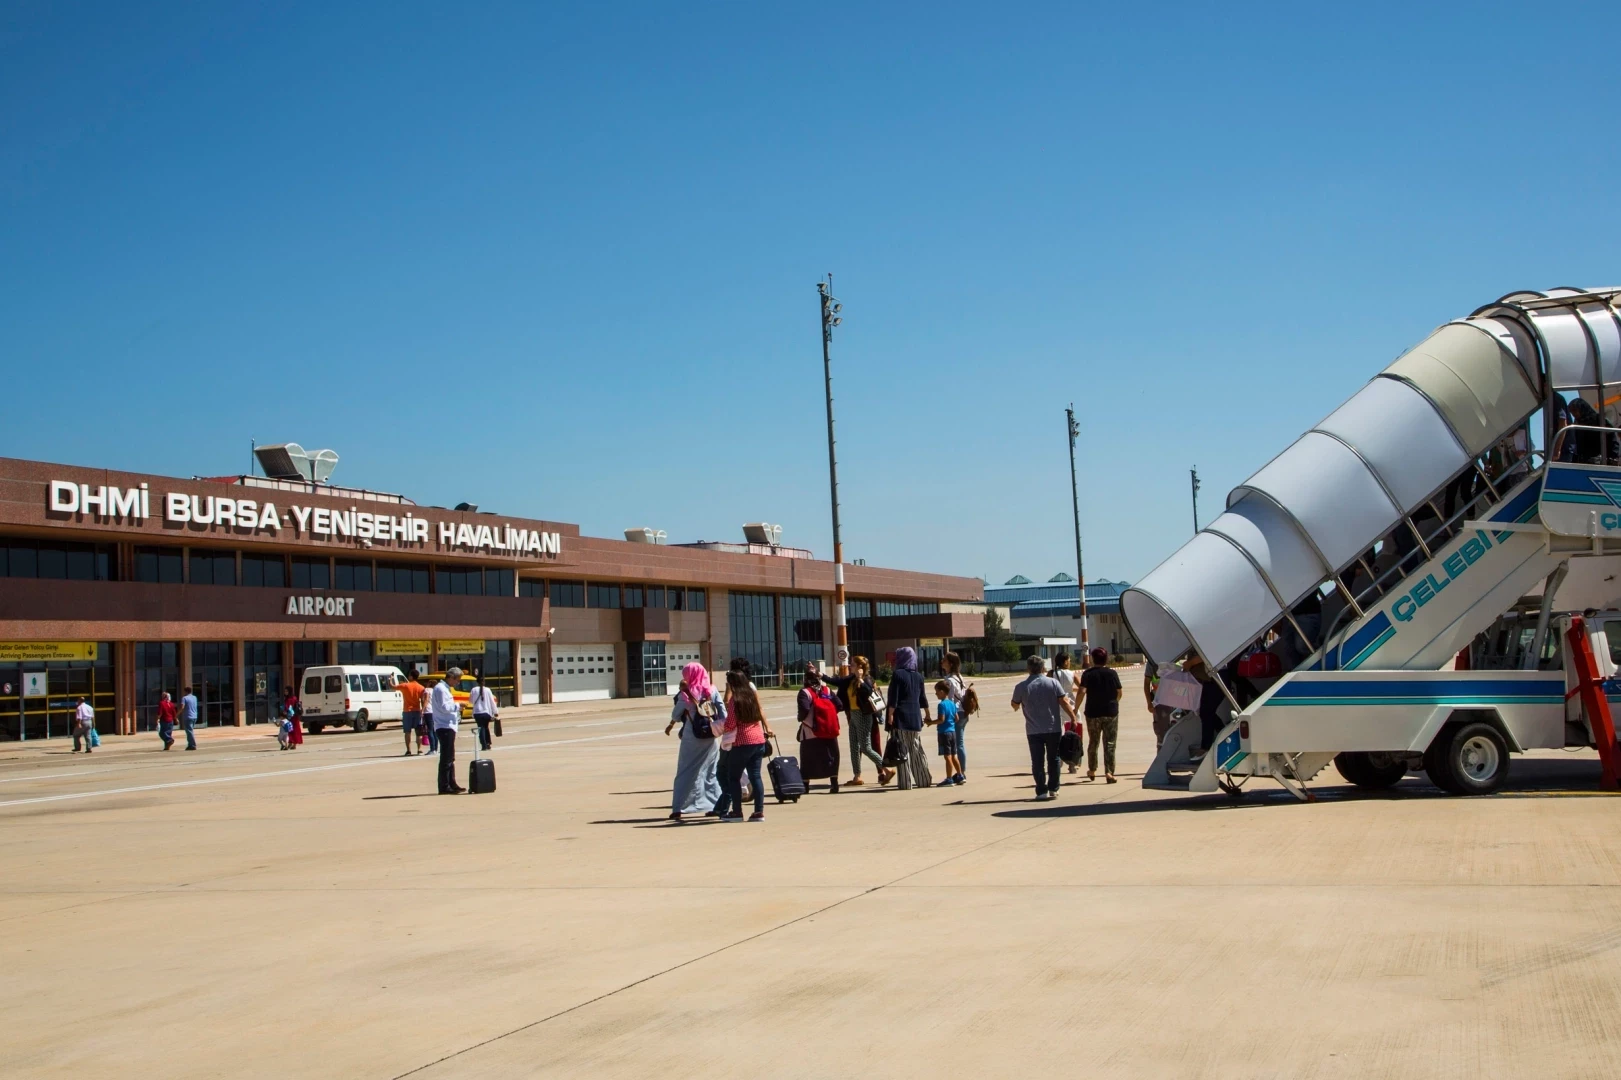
907, 712
700, 711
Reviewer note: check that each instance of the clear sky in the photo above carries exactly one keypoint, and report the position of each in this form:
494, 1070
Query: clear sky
562, 263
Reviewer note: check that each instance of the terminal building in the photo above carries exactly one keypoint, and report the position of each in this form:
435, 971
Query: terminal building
118, 586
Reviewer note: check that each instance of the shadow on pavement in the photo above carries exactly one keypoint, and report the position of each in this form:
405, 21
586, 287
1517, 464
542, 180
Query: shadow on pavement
414, 795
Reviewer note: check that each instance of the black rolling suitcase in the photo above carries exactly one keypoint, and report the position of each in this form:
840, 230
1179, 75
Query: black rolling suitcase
787, 782
481, 776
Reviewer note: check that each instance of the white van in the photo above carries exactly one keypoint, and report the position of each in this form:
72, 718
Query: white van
360, 694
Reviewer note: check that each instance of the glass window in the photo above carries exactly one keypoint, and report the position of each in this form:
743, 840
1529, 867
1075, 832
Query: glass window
268, 571
754, 631
354, 683
159, 564
401, 577
801, 630
312, 685
697, 600
213, 567
677, 599
311, 573
601, 595
368, 681
385, 681
632, 596
353, 575
568, 593
498, 582
334, 684
655, 596
60, 561
531, 587
1612, 633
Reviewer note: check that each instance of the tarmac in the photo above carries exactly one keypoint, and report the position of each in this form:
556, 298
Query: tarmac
244, 912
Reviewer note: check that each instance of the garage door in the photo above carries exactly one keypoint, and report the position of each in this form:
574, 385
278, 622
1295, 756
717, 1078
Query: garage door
528, 673
677, 655
582, 672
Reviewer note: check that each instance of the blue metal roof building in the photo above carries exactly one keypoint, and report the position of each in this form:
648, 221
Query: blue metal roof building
1043, 611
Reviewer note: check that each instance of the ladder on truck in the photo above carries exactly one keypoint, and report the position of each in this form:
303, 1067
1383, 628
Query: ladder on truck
1388, 536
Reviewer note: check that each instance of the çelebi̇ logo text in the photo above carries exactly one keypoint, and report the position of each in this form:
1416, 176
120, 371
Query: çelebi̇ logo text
1455, 565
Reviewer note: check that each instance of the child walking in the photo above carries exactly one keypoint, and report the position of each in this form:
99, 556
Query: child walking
946, 724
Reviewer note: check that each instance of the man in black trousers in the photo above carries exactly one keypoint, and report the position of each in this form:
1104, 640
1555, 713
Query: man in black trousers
446, 715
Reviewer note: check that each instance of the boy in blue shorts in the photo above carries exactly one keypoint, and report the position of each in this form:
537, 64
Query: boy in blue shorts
946, 722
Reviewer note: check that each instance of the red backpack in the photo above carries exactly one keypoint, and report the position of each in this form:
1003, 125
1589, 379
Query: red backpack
824, 714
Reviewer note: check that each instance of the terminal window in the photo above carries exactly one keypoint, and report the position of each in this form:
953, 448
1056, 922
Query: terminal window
159, 564
213, 567
311, 573
353, 575
568, 593
401, 577
268, 571
69, 562
599, 595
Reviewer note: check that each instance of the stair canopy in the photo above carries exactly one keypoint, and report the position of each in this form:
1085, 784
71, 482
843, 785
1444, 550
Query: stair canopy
1315, 509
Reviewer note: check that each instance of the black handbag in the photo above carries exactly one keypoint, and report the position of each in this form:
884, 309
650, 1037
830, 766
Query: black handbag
895, 751
497, 727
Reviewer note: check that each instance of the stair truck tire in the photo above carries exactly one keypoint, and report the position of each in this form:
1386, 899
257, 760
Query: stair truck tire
1475, 759
1435, 766
1374, 772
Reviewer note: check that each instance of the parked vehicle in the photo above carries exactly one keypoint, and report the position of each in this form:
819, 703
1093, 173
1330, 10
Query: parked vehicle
361, 695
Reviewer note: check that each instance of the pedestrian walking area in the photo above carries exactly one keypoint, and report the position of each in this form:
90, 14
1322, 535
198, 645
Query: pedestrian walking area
245, 912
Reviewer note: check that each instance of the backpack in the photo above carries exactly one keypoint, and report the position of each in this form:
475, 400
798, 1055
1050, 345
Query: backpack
823, 722
970, 702
703, 718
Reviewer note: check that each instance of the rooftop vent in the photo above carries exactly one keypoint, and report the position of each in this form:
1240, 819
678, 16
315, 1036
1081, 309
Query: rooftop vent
467, 507
1060, 578
1017, 579
290, 461
646, 536
758, 532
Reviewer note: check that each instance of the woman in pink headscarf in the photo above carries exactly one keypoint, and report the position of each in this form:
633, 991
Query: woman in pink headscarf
700, 711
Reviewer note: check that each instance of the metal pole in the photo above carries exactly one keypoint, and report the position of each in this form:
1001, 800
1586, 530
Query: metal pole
1194, 473
1075, 502
830, 318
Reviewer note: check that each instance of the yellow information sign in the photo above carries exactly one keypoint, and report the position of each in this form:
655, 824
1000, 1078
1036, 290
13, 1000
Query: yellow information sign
403, 648
462, 647
50, 650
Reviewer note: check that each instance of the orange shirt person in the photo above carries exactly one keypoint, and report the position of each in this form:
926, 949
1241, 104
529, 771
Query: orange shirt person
411, 693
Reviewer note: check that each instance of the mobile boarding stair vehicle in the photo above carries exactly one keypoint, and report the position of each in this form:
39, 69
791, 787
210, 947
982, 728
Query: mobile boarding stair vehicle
1417, 522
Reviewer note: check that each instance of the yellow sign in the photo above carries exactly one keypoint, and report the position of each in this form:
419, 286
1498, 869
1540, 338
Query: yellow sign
932, 642
404, 648
49, 650
462, 647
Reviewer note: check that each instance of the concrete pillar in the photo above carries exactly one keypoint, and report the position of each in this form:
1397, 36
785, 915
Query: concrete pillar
239, 696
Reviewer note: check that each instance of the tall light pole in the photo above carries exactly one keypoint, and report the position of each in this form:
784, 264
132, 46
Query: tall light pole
1075, 501
1194, 474
830, 318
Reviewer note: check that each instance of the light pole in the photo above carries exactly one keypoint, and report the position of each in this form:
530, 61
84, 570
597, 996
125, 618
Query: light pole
830, 318
1075, 502
1194, 473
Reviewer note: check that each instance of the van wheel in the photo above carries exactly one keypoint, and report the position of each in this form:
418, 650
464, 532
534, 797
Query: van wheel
316, 729
360, 721
1372, 771
1475, 759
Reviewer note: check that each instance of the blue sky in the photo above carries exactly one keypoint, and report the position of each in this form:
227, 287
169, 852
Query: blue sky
562, 263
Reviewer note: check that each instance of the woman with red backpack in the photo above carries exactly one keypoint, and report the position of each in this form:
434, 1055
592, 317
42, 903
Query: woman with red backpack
818, 731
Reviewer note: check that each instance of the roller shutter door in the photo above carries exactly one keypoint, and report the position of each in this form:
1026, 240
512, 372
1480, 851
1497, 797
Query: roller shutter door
582, 672
677, 655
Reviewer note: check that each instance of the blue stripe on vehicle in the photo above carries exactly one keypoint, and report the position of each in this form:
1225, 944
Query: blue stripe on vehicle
1376, 689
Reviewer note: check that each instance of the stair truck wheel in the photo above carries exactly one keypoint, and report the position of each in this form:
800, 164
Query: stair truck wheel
360, 721
1476, 759
1435, 766
1373, 771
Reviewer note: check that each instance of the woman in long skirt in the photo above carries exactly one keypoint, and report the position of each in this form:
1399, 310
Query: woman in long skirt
907, 713
700, 711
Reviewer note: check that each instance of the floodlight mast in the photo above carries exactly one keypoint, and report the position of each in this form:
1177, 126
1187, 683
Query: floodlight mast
830, 318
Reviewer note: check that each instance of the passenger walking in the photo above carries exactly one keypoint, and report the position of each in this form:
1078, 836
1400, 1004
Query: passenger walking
857, 691
1044, 704
746, 721
411, 724
293, 709
84, 725
1066, 679
167, 714
908, 710
700, 710
1153, 674
482, 702
818, 731
946, 732
188, 718
1099, 695
447, 716
951, 669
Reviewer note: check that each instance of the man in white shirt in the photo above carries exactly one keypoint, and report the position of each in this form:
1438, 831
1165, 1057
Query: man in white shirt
84, 721
447, 716
482, 702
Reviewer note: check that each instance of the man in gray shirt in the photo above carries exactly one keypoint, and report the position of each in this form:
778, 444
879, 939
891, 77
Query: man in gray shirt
188, 718
1044, 704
